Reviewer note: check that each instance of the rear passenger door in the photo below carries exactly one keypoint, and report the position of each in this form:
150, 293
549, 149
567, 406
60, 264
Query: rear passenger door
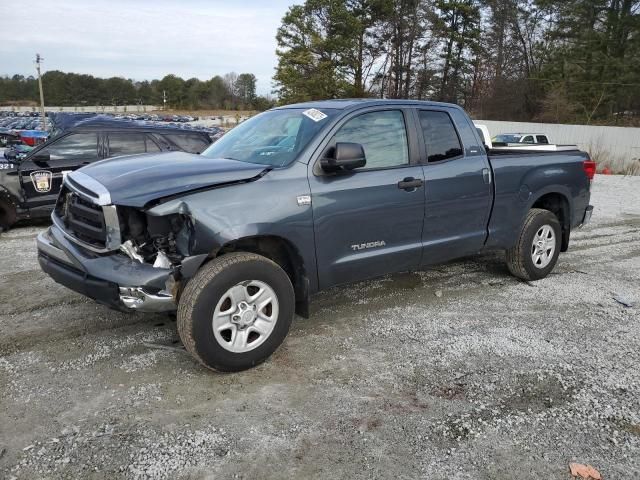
458, 190
368, 221
129, 143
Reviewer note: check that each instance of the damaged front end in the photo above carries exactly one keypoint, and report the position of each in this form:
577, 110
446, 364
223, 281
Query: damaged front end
163, 242
121, 256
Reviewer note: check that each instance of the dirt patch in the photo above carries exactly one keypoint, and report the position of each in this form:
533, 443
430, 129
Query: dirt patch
456, 372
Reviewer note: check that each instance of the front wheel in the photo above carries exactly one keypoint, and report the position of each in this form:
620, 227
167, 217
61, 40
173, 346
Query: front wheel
538, 246
236, 311
8, 214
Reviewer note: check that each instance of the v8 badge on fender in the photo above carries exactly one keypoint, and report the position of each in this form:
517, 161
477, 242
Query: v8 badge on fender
42, 180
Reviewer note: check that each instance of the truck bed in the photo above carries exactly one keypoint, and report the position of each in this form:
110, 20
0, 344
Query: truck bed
519, 173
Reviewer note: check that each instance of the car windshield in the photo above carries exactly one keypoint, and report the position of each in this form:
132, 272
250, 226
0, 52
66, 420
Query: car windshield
272, 138
506, 138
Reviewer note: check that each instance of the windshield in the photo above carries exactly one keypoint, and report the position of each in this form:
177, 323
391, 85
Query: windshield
272, 138
506, 138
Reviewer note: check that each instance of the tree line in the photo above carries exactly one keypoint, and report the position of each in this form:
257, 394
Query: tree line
566, 61
230, 91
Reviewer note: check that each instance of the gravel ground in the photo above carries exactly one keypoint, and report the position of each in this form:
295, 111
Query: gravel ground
459, 372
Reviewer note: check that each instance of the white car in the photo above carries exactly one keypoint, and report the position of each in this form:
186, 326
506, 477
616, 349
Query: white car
519, 141
528, 138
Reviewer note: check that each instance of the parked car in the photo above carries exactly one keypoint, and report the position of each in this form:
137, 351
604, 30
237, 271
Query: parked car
29, 184
300, 199
8, 137
528, 138
519, 141
16, 152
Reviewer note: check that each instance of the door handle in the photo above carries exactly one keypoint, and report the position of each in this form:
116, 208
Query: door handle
486, 176
410, 184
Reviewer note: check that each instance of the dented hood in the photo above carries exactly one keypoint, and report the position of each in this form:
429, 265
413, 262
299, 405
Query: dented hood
136, 180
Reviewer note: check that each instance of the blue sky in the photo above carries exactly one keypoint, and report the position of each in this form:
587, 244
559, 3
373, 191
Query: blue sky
143, 39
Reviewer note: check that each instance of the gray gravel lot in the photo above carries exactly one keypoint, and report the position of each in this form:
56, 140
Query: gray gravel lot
459, 372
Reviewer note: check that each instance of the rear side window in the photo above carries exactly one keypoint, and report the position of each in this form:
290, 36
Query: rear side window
191, 143
440, 137
127, 144
542, 139
382, 135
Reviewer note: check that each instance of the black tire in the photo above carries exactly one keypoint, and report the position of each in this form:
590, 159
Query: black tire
8, 215
519, 258
206, 289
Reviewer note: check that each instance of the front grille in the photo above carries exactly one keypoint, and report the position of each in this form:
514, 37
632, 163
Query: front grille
94, 226
86, 221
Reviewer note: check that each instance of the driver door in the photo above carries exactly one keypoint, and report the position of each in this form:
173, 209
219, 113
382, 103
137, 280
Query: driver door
41, 173
368, 221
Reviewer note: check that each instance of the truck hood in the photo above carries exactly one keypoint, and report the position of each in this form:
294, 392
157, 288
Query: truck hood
136, 180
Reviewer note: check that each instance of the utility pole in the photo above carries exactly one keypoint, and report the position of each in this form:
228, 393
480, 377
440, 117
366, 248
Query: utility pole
39, 60
164, 100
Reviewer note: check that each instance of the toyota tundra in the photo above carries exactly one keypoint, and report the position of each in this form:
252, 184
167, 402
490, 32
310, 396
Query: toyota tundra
299, 199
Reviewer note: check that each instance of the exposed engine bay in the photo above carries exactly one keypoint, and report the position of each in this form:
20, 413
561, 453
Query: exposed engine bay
162, 241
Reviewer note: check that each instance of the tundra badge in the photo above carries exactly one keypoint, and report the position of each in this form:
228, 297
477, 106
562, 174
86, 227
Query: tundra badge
363, 246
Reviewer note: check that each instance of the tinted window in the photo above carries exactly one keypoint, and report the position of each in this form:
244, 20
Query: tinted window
126, 144
542, 139
527, 139
383, 136
77, 146
440, 137
189, 143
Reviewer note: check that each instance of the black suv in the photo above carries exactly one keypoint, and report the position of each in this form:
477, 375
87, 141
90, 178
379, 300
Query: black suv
29, 186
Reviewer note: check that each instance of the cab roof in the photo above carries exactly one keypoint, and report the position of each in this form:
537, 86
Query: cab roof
354, 103
102, 122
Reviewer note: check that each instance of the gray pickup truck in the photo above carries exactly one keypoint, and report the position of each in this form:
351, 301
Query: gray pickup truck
299, 199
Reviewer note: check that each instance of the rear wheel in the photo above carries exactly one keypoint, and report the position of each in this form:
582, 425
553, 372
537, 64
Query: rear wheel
236, 311
538, 247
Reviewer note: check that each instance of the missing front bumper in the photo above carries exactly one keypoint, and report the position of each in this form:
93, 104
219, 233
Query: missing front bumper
113, 280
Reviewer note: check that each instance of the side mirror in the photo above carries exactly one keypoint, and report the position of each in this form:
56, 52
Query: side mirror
41, 157
346, 156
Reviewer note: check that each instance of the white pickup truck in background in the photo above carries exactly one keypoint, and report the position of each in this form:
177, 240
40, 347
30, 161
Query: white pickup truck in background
519, 141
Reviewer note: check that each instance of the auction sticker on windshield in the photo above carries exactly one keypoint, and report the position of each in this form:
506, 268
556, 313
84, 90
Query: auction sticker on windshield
314, 114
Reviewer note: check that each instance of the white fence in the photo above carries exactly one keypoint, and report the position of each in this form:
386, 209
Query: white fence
618, 144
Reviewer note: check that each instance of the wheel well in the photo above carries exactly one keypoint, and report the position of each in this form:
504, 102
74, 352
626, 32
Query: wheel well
283, 253
8, 214
559, 206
